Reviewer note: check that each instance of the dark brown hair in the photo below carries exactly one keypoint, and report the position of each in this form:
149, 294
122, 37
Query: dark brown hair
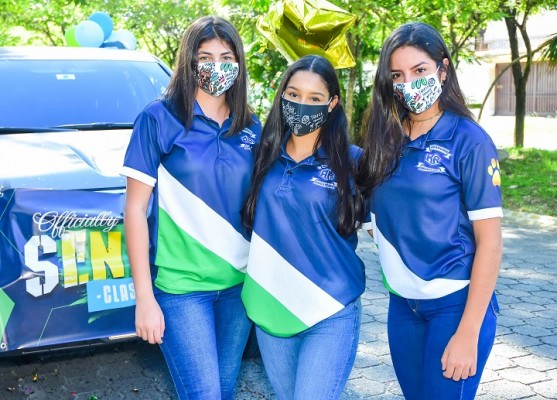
181, 89
383, 133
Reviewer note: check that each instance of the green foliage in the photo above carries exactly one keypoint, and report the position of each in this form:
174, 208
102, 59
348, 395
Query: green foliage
550, 53
159, 24
265, 64
458, 21
529, 181
41, 22
265, 67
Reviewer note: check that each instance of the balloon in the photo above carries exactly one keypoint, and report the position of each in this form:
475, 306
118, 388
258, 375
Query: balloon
123, 36
104, 21
89, 34
300, 27
70, 37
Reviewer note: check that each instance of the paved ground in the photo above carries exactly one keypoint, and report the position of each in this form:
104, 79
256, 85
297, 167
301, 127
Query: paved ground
539, 132
523, 364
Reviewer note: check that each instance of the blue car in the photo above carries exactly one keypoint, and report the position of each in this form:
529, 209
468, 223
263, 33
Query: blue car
66, 116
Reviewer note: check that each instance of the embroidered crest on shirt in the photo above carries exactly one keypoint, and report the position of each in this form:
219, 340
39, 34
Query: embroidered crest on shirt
434, 155
326, 178
248, 139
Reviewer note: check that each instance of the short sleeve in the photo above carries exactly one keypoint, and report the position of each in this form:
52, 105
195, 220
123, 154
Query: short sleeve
143, 154
481, 182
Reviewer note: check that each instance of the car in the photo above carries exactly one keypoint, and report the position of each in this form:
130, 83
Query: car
66, 116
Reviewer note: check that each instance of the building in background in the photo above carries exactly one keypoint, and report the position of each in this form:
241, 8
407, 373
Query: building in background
493, 50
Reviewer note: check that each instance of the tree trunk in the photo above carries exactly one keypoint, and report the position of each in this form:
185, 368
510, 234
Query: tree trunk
520, 76
519, 84
520, 113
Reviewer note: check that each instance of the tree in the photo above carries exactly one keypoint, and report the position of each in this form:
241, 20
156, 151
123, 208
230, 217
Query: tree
43, 21
550, 52
458, 22
516, 18
159, 25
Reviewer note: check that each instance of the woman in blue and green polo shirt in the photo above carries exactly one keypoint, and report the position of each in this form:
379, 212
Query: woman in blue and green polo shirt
304, 279
191, 154
434, 181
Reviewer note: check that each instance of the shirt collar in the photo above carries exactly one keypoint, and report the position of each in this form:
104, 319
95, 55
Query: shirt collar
197, 109
318, 155
198, 112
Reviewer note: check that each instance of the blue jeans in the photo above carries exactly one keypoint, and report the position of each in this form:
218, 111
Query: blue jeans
314, 364
203, 342
419, 331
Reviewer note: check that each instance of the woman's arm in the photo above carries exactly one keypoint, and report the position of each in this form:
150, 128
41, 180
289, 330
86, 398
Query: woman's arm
149, 320
460, 357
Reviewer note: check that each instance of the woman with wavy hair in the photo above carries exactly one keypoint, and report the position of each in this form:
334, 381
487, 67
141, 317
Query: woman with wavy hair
433, 180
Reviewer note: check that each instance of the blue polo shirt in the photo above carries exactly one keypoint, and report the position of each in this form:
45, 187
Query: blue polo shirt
201, 178
422, 215
300, 269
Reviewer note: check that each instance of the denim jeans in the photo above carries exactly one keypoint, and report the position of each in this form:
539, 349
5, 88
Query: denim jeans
419, 331
204, 338
314, 364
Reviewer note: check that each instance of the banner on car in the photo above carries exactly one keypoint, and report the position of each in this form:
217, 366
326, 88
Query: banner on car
64, 271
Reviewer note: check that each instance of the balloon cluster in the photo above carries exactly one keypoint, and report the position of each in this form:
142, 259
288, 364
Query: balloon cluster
97, 32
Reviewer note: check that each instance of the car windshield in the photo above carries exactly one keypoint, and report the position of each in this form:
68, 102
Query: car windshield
40, 94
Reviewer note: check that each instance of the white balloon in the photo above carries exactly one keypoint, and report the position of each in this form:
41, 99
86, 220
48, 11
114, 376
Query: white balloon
89, 34
123, 36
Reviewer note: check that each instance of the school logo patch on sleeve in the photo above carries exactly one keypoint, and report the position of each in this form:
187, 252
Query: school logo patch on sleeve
495, 172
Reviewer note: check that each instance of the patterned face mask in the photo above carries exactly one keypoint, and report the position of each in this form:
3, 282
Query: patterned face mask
418, 96
304, 118
216, 78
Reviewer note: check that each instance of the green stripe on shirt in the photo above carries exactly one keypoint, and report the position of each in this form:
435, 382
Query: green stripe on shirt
267, 312
185, 265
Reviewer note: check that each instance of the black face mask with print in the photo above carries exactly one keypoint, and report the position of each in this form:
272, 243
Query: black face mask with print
304, 118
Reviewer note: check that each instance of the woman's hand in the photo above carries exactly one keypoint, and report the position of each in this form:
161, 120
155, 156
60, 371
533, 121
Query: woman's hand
459, 360
149, 320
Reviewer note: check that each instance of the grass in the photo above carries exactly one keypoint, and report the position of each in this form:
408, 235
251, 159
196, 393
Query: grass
529, 181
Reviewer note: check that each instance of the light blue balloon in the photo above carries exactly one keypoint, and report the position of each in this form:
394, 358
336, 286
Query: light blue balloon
104, 21
125, 37
89, 34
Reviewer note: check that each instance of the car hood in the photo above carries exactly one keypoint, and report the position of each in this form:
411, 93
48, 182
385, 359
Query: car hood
63, 160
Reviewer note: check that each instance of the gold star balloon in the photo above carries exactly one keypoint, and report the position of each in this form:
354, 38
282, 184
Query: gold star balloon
300, 27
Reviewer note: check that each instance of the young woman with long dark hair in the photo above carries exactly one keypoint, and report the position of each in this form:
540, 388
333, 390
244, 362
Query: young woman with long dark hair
433, 179
191, 153
304, 278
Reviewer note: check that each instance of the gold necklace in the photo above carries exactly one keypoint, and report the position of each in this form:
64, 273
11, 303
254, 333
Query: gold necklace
412, 121
425, 119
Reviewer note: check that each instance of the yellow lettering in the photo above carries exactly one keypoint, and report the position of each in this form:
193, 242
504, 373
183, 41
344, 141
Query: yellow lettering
111, 255
68, 260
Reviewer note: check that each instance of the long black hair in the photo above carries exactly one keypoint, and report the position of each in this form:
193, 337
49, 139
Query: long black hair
333, 138
181, 89
383, 132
